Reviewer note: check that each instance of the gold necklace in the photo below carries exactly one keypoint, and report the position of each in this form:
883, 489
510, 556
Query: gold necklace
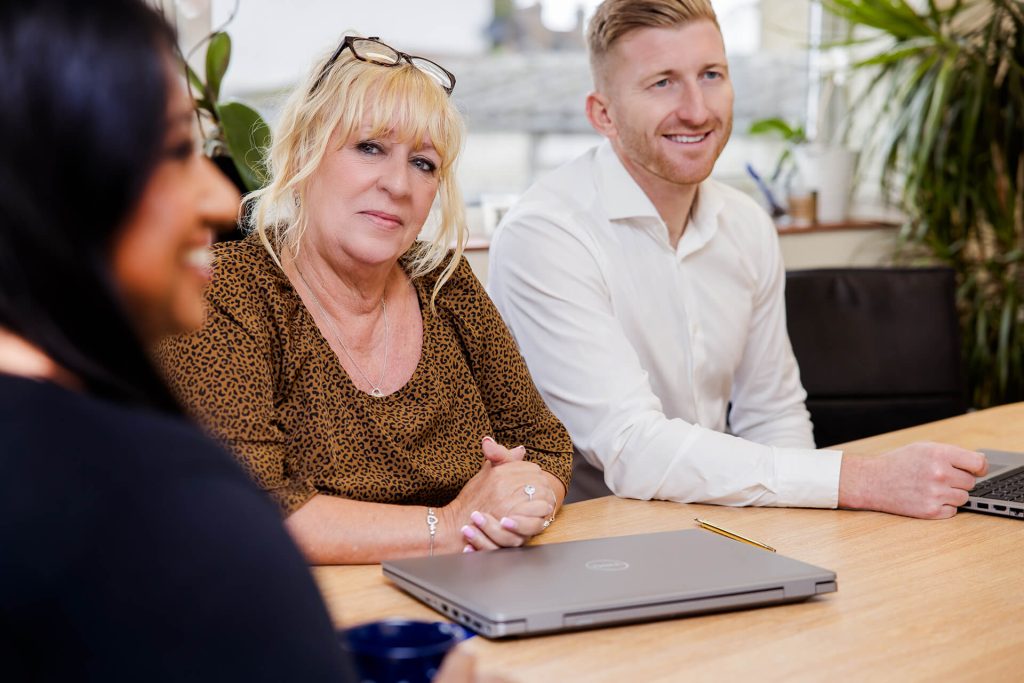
375, 388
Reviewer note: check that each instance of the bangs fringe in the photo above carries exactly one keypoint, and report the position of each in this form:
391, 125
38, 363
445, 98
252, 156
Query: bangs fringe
401, 101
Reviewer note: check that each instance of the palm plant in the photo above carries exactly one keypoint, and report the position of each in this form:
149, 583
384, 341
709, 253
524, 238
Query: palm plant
949, 130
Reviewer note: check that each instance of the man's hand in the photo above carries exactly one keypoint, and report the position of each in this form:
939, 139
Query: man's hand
927, 480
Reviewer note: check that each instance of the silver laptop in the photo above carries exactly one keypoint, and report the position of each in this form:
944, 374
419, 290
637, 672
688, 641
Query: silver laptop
1001, 491
582, 584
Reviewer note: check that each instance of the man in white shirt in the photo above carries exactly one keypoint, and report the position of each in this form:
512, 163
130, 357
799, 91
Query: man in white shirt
646, 298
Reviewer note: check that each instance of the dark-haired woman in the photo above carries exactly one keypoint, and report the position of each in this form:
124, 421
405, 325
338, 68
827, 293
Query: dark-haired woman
131, 548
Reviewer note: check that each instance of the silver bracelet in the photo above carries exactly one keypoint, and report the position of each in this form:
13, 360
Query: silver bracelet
432, 527
551, 520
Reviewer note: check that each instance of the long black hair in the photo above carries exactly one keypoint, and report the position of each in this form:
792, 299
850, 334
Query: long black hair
83, 114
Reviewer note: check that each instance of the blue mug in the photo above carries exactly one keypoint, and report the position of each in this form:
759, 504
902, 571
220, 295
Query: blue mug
398, 650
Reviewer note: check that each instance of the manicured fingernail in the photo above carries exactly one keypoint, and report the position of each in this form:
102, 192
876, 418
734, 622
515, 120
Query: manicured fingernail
487, 438
478, 518
468, 549
508, 523
468, 531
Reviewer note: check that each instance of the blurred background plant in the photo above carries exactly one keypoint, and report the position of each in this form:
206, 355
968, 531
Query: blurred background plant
945, 102
235, 136
791, 134
776, 187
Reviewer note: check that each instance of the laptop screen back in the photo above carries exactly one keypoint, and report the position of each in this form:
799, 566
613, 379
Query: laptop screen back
579, 584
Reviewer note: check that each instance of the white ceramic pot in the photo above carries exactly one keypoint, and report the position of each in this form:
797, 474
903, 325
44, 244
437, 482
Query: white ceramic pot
829, 171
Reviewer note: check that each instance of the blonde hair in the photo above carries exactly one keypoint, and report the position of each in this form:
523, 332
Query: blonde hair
399, 100
616, 18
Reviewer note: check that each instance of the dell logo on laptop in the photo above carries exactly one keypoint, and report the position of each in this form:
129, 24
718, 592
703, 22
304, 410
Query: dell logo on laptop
607, 565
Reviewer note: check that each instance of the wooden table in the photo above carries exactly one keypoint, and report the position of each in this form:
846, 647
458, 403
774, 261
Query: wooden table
917, 600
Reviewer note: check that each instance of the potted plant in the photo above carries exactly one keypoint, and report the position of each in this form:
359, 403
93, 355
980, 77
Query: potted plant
235, 135
946, 106
818, 178
791, 134
783, 175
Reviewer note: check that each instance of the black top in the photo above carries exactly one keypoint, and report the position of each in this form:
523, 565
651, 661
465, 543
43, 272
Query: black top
132, 548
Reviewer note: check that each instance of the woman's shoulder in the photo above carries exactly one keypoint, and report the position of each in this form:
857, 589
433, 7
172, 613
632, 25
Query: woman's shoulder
124, 438
115, 488
242, 263
246, 280
462, 298
91, 455
459, 280
95, 458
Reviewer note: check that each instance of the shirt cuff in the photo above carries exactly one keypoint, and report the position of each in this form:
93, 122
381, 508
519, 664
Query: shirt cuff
807, 478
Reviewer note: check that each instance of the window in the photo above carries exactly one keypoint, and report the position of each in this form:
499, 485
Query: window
521, 67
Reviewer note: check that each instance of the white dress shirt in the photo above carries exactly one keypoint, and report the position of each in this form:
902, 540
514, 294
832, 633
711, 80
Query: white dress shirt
639, 347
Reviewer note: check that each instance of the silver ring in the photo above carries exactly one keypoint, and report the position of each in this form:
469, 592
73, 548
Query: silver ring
547, 523
529, 490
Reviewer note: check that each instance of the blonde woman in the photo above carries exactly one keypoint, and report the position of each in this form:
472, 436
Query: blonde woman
363, 378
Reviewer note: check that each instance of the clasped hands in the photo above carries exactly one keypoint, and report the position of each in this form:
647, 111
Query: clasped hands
494, 510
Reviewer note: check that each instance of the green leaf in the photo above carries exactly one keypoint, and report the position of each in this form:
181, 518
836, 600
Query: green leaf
881, 77
906, 102
218, 56
897, 53
194, 80
248, 137
938, 106
786, 155
894, 17
977, 91
1003, 347
981, 330
776, 126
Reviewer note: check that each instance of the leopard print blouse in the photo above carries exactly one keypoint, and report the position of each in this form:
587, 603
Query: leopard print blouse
261, 377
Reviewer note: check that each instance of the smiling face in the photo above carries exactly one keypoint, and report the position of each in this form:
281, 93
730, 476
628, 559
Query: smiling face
161, 258
369, 197
665, 103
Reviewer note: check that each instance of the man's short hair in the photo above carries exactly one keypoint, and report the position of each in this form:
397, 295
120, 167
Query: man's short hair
616, 18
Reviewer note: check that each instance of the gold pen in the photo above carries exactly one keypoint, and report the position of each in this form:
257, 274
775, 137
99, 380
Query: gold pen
728, 534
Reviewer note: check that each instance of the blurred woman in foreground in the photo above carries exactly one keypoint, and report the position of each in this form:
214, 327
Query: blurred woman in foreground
131, 547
